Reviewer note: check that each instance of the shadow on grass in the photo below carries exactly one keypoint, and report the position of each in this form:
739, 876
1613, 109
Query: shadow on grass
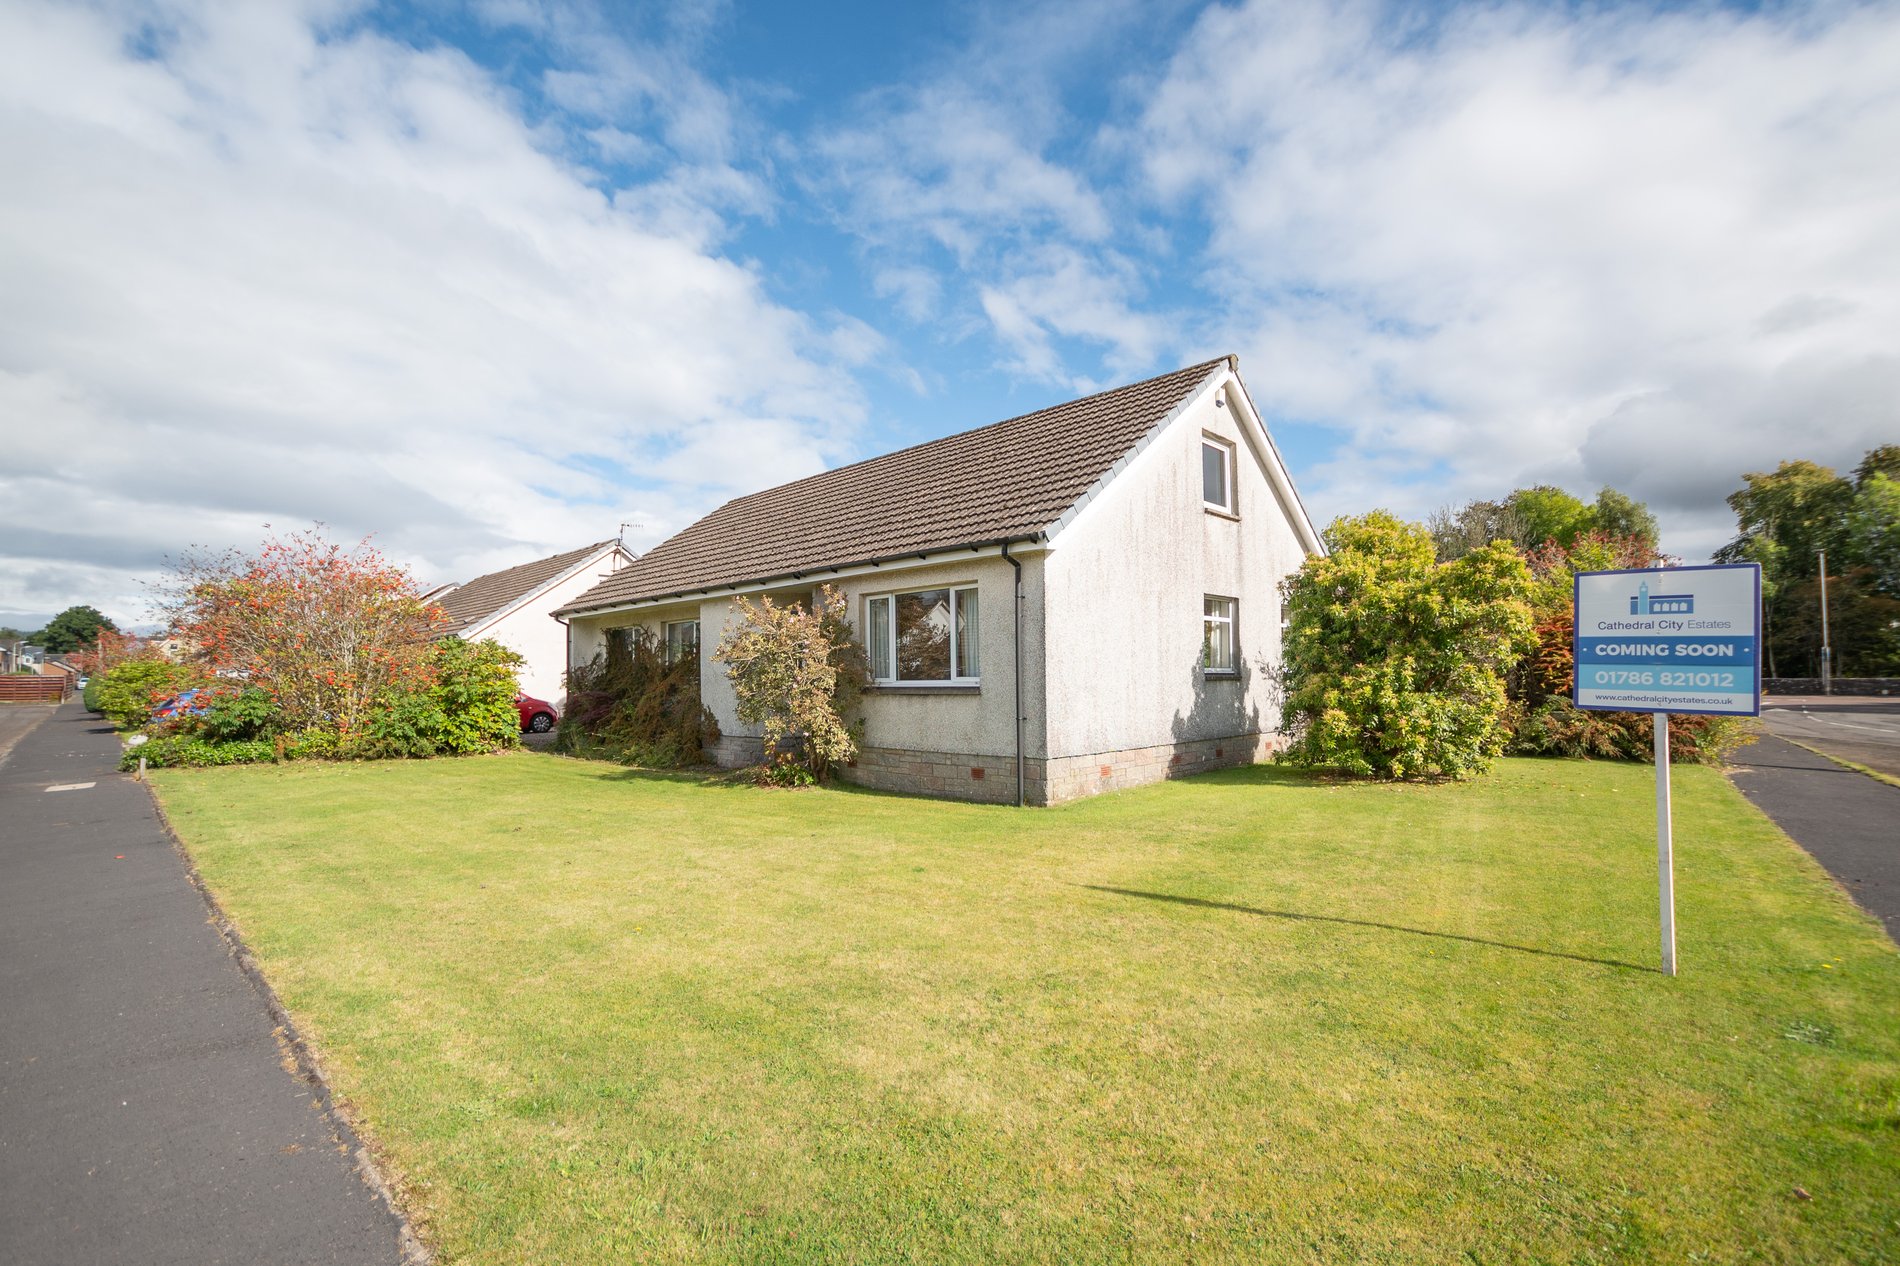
1268, 774
715, 779
1363, 923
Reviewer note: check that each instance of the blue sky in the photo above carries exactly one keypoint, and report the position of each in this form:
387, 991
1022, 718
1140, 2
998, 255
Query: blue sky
489, 279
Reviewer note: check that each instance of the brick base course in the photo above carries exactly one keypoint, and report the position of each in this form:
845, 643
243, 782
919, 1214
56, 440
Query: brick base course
1072, 777
991, 778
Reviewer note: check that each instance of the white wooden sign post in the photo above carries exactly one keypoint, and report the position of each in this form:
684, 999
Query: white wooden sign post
1663, 640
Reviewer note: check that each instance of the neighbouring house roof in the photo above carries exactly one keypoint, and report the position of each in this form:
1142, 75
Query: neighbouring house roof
1009, 480
473, 603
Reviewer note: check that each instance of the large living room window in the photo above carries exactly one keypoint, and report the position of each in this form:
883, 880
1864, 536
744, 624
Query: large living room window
1217, 635
928, 636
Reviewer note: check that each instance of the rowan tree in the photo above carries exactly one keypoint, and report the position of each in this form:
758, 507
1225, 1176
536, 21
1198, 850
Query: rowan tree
326, 630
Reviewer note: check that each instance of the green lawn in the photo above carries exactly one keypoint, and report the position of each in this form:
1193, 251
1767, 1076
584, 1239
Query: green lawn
594, 1015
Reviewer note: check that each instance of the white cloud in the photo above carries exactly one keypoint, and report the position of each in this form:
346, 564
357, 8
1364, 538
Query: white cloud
1060, 291
971, 213
287, 269
1583, 246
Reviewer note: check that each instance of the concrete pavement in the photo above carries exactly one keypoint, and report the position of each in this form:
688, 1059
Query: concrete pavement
1849, 822
146, 1111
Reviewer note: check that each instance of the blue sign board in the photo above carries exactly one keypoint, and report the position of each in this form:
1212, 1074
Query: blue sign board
1669, 639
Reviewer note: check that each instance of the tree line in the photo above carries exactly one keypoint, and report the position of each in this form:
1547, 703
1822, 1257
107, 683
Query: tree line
1427, 650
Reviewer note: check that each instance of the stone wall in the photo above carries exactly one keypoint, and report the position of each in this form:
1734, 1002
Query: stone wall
1842, 685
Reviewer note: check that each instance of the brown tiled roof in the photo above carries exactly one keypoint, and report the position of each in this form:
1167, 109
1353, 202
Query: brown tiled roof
1009, 479
485, 595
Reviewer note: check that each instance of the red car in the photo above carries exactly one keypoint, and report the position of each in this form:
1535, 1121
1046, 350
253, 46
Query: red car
537, 715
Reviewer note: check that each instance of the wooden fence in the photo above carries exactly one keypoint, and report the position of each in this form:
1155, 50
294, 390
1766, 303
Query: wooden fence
24, 688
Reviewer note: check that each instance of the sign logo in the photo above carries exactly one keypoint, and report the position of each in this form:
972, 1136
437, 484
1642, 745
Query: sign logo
1643, 602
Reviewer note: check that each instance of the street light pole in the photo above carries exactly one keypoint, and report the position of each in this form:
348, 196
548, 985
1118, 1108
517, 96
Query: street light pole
1827, 651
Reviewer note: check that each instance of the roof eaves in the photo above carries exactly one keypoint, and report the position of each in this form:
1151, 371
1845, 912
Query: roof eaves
1305, 526
907, 558
605, 548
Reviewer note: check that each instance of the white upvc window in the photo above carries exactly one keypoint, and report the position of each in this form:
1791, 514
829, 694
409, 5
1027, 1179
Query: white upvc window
1217, 474
1218, 645
682, 640
927, 636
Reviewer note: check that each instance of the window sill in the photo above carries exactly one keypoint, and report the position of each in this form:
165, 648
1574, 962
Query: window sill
922, 688
1221, 674
1221, 512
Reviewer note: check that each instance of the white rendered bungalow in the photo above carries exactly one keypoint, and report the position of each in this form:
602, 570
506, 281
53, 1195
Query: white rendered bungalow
512, 607
1079, 599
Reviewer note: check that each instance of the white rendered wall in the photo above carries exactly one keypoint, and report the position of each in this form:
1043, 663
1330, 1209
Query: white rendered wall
913, 718
540, 639
1126, 582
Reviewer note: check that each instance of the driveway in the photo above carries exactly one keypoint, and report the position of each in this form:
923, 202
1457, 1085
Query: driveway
1849, 822
146, 1115
1864, 729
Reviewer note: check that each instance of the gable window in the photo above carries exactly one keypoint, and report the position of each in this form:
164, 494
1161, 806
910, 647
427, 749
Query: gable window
927, 636
682, 641
1217, 635
1217, 474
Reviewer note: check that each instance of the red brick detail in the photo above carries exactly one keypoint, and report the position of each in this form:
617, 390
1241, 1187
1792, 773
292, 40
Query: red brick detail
1108, 771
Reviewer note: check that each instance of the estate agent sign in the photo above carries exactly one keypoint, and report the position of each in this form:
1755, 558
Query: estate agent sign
1677, 639
1662, 640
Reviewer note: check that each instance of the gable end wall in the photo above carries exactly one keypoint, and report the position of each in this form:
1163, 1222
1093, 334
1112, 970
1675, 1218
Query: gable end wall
1125, 586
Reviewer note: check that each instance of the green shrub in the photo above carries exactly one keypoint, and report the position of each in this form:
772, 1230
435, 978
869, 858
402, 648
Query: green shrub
629, 704
402, 724
796, 674
468, 707
1394, 661
233, 714
1556, 727
475, 692
309, 745
89, 695
126, 693
185, 750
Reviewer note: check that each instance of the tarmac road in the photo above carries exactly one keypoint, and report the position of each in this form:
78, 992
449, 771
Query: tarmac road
1848, 822
145, 1116
1861, 728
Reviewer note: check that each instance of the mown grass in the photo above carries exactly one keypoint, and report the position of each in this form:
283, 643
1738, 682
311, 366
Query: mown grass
595, 1015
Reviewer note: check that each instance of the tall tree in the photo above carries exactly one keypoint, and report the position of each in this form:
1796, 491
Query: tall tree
74, 629
1531, 518
1785, 518
1619, 517
325, 631
1549, 514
